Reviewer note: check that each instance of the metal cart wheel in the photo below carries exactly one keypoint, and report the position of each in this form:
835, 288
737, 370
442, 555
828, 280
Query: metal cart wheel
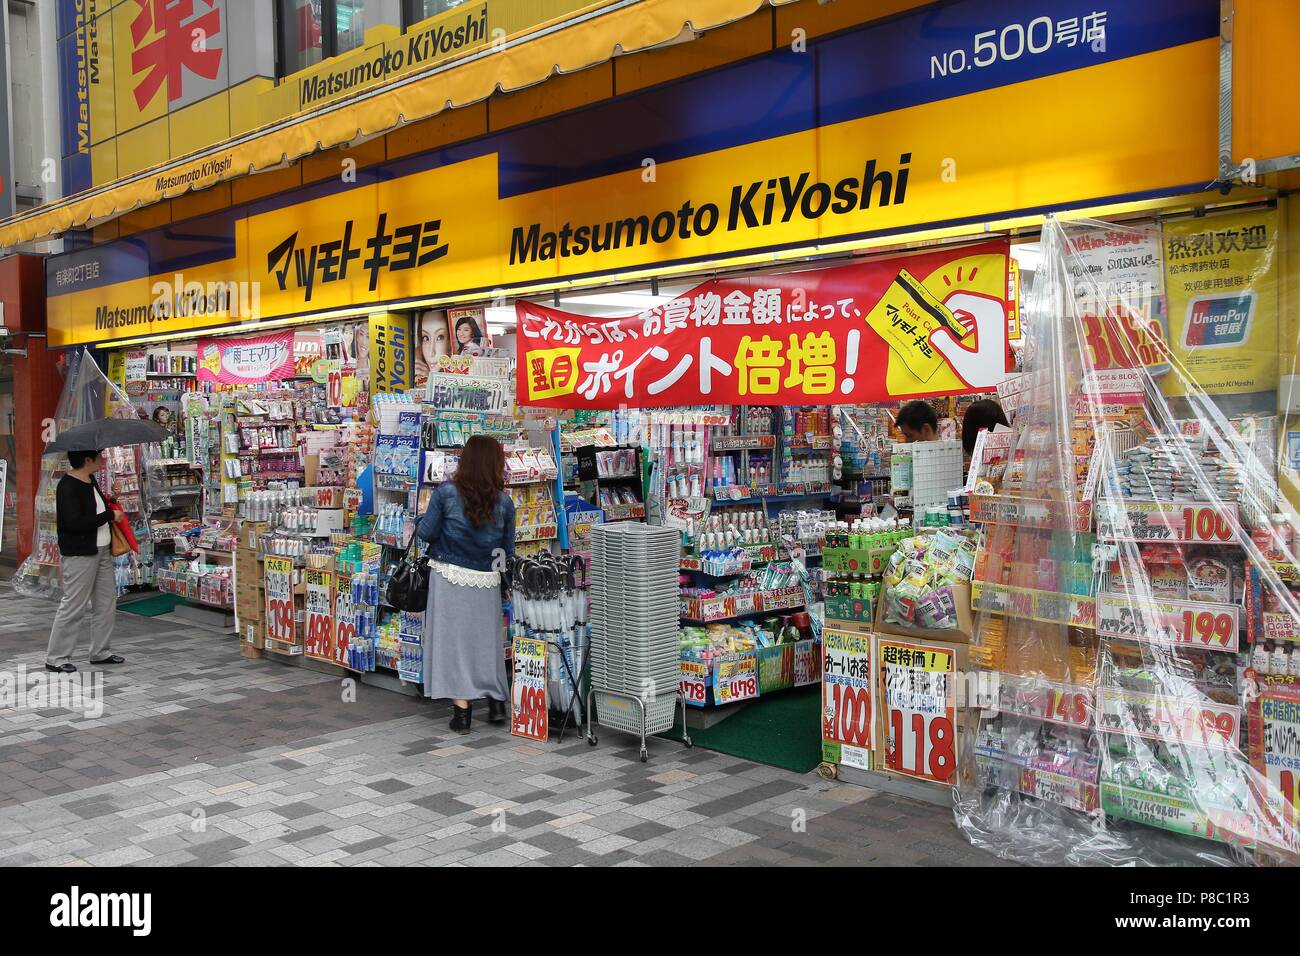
645, 755
591, 740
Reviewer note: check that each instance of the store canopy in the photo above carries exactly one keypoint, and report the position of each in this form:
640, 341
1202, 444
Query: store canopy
577, 43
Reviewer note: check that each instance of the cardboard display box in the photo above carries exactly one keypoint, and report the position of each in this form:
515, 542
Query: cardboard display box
961, 634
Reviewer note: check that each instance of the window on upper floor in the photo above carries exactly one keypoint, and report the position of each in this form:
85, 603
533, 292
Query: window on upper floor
413, 11
308, 31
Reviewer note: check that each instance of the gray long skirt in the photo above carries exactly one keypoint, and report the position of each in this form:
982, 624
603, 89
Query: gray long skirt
463, 639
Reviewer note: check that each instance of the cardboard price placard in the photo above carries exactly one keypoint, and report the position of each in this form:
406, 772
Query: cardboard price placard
345, 620
735, 680
919, 701
529, 716
848, 696
694, 682
1172, 623
320, 615
1275, 754
279, 598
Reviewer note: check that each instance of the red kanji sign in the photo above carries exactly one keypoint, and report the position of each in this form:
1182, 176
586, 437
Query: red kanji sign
180, 41
934, 323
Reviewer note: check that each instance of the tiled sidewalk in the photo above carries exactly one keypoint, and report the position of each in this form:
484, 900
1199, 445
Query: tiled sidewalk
201, 757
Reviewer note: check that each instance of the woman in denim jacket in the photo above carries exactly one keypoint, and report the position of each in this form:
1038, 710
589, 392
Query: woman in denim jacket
470, 528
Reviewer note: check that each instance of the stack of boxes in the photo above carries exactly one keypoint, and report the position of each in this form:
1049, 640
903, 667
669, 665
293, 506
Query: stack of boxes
250, 592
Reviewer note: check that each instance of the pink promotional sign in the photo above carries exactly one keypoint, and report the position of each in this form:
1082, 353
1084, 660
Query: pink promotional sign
242, 361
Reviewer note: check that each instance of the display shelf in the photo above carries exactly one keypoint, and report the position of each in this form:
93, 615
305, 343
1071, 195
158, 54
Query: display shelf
1169, 622
725, 607
1069, 705
1048, 607
1168, 522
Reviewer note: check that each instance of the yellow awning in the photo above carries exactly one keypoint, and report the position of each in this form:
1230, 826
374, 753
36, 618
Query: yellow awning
598, 35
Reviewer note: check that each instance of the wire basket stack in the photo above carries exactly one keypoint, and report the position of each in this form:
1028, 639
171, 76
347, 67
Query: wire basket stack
634, 618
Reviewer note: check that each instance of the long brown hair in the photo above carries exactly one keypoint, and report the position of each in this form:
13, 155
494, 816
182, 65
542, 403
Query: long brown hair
480, 478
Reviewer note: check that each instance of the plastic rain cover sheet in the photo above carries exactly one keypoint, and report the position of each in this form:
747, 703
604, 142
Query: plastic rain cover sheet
87, 396
1124, 708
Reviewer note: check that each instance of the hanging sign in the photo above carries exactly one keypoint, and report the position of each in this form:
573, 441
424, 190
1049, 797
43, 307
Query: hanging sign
917, 694
848, 698
279, 599
921, 325
246, 361
529, 716
320, 615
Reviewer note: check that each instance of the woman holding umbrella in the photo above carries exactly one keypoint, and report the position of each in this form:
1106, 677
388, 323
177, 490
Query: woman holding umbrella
83, 516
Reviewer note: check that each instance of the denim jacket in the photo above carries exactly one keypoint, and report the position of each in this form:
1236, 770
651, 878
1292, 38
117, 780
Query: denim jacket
453, 539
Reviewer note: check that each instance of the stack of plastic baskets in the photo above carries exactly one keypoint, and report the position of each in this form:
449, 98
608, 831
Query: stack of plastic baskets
635, 607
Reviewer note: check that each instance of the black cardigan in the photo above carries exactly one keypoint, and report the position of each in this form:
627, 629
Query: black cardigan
76, 518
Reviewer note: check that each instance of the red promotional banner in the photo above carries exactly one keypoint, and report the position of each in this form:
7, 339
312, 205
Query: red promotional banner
932, 323
243, 361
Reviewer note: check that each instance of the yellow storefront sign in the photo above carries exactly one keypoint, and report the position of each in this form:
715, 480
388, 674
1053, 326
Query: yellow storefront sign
448, 230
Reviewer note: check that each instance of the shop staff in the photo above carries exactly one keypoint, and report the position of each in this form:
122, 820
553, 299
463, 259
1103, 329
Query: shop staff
918, 422
470, 527
82, 516
981, 416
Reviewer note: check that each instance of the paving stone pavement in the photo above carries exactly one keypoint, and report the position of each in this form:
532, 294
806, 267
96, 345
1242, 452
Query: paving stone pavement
200, 757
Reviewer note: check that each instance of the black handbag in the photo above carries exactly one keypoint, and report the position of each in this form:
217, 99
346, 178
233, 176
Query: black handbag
408, 585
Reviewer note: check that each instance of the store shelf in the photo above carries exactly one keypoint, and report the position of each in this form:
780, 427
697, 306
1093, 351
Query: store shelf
1048, 607
727, 607
723, 443
1070, 705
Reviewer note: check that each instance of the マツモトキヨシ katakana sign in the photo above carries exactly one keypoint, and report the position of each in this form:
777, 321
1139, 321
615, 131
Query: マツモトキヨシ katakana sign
920, 325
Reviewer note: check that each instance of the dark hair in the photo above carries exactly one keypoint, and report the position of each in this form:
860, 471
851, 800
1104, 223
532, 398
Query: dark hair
161, 410
982, 415
78, 458
480, 478
916, 415
466, 320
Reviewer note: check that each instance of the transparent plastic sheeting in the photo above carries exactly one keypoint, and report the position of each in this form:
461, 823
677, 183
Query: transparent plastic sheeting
87, 396
1126, 741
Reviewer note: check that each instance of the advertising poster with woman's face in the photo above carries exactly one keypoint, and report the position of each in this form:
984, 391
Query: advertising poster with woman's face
468, 331
432, 340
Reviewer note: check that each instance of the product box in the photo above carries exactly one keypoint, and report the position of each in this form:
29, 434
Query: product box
251, 531
859, 561
844, 609
961, 634
253, 633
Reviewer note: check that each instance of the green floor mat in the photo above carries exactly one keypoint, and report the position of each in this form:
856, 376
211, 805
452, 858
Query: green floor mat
781, 730
152, 606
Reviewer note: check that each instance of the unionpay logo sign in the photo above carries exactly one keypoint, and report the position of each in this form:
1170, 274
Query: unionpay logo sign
1218, 320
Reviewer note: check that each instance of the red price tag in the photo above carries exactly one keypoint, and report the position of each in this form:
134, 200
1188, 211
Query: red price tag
693, 688
530, 716
849, 720
923, 745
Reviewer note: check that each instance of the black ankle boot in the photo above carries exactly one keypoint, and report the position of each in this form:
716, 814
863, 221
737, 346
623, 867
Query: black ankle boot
460, 717
496, 711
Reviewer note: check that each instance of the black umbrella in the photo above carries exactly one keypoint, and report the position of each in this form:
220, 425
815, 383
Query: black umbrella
107, 433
